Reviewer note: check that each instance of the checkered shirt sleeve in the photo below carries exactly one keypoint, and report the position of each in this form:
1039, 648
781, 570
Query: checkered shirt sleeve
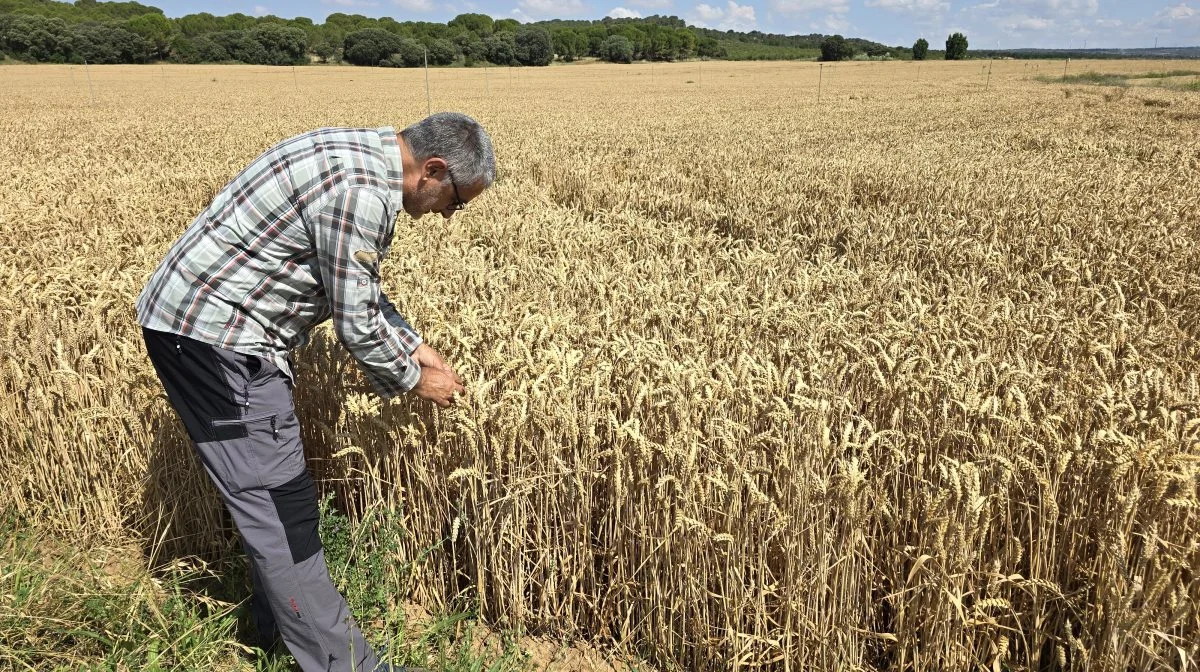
348, 234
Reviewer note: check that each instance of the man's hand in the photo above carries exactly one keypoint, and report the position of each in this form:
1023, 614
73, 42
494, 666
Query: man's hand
428, 358
438, 386
438, 383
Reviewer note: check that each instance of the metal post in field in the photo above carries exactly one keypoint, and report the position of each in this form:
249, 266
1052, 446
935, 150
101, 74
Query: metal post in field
1068, 62
295, 79
820, 80
91, 94
487, 87
428, 98
988, 85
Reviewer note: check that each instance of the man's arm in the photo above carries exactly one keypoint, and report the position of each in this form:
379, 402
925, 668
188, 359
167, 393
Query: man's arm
348, 233
397, 321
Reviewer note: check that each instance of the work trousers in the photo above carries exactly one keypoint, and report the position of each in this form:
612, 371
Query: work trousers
239, 412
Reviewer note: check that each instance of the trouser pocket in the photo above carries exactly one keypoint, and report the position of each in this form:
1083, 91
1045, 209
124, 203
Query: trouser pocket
259, 451
241, 428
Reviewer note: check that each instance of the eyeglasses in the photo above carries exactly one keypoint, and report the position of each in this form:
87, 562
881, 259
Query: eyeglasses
458, 204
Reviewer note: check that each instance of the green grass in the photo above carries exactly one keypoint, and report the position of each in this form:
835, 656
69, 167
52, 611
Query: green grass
1110, 79
72, 606
64, 608
1164, 74
1090, 77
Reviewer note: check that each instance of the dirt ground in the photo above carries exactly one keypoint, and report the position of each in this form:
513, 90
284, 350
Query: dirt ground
546, 655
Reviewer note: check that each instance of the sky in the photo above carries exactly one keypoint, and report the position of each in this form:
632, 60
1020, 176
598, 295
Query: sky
1003, 24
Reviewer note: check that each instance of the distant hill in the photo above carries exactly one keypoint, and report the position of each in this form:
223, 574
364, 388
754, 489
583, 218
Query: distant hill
1149, 53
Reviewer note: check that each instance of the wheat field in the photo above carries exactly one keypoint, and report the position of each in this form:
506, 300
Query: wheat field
906, 378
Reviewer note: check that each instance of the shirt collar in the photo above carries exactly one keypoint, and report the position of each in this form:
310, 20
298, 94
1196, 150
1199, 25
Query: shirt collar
390, 141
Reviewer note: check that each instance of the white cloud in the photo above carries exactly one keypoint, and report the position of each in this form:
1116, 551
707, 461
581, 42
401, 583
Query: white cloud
622, 13
805, 6
1109, 23
651, 4
731, 17
1022, 23
1180, 23
549, 8
835, 11
1060, 8
1180, 11
836, 24
922, 6
1074, 6
414, 5
259, 10
351, 3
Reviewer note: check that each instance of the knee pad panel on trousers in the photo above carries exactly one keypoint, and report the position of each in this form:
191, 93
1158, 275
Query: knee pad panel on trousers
296, 504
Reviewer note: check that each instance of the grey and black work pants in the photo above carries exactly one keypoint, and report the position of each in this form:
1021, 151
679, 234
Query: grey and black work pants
238, 410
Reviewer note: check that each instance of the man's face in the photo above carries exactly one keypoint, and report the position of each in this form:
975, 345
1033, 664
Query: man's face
437, 191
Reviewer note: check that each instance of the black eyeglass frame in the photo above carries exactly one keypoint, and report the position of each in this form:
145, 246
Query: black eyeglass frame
458, 203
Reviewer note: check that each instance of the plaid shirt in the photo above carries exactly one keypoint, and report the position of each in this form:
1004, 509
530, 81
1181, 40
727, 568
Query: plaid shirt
292, 241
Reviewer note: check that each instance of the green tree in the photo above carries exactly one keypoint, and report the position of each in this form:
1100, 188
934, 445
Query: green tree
596, 35
920, 49
197, 24
370, 46
710, 48
282, 45
480, 24
442, 52
533, 46
156, 29
567, 44
956, 47
37, 38
210, 51
472, 47
241, 46
324, 51
409, 54
338, 25
685, 42
617, 49
199, 49
502, 48
109, 43
506, 26
836, 48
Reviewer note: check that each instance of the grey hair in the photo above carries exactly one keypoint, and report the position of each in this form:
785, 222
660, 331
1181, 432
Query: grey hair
459, 141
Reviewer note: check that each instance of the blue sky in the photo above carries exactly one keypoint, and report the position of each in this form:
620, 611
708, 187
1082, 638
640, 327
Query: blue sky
987, 23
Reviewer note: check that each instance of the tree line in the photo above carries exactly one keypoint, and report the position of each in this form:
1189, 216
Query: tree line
130, 32
838, 48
